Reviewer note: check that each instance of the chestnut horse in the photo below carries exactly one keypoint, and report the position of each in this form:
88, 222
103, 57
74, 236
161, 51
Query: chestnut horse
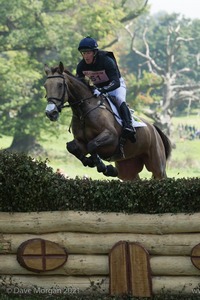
97, 133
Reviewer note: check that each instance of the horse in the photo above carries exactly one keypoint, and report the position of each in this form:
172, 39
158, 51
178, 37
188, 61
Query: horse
97, 133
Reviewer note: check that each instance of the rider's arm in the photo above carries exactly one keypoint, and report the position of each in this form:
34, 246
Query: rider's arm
112, 73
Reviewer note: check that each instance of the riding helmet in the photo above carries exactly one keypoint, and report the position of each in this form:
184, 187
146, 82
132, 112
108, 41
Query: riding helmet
88, 43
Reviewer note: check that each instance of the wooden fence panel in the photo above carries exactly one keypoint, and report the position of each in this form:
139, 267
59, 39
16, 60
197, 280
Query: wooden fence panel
158, 251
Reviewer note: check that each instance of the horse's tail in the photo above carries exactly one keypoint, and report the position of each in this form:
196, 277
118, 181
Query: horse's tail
166, 142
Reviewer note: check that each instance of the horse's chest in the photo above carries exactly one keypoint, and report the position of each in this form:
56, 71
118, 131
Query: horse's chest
85, 133
90, 133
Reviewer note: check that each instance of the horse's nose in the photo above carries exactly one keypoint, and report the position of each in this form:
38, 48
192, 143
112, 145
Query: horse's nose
53, 116
47, 113
52, 112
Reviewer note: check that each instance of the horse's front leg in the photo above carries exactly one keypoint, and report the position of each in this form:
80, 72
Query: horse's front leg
104, 139
79, 150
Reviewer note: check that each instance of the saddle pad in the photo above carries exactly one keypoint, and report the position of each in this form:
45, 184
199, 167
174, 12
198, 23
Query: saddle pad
136, 122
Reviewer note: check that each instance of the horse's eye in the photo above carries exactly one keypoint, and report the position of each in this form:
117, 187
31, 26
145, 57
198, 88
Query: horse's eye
59, 85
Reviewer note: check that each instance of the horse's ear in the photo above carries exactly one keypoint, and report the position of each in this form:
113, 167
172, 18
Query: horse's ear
61, 67
47, 69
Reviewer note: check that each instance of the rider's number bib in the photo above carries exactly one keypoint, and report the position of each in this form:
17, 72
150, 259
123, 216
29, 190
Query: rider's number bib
96, 76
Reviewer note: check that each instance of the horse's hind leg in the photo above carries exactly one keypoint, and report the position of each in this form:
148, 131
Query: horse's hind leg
156, 163
158, 172
129, 169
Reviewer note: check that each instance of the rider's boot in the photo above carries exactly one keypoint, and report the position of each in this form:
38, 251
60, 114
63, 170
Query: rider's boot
128, 129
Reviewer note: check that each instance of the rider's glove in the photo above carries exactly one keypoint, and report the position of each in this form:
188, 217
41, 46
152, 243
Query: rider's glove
96, 93
102, 90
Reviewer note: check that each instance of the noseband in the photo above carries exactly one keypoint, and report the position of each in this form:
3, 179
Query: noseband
61, 100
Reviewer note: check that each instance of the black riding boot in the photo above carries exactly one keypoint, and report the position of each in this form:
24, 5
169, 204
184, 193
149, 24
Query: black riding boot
128, 129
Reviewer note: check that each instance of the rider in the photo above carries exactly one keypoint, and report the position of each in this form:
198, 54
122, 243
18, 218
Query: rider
101, 67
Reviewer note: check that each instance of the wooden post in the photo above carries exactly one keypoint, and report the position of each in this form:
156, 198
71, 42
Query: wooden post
140, 274
118, 269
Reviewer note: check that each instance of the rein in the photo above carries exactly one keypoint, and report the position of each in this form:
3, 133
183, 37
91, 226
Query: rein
79, 102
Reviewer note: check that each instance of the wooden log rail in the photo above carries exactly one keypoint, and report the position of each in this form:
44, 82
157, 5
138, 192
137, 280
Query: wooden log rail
91, 243
94, 222
91, 265
88, 238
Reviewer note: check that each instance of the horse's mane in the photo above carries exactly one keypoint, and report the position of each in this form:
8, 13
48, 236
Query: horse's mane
57, 70
84, 80
69, 73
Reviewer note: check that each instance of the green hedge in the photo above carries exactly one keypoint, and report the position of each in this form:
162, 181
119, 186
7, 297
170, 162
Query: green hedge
28, 185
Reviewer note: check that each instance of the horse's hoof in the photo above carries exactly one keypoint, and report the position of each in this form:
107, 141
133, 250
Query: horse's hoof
110, 171
85, 162
91, 163
101, 168
88, 162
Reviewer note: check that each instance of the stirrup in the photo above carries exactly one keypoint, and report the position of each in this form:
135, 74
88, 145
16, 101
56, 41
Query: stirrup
128, 130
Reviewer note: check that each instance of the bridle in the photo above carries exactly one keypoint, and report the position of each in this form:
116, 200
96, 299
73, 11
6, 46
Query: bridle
61, 100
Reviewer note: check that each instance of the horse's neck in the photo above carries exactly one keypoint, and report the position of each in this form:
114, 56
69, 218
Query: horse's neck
77, 89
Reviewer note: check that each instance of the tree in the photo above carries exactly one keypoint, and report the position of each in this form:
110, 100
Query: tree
34, 32
22, 42
167, 53
20, 109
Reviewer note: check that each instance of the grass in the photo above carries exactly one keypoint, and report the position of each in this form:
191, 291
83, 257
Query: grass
184, 161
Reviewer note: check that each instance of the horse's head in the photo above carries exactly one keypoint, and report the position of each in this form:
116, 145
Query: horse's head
56, 91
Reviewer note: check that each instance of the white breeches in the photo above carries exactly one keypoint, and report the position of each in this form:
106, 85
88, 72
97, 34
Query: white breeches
119, 93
